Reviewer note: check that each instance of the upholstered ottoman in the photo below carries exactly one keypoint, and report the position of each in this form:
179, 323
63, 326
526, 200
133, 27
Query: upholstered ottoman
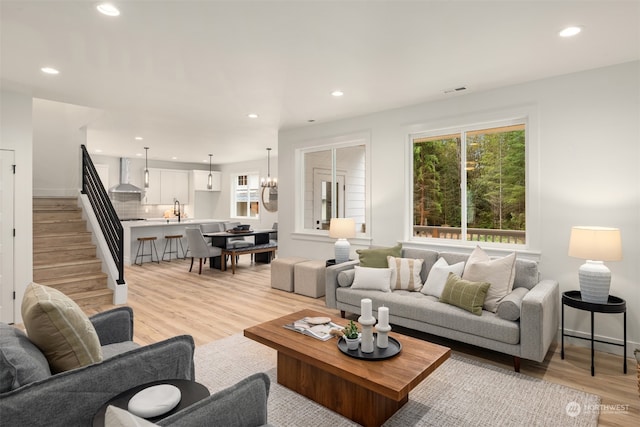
282, 272
309, 278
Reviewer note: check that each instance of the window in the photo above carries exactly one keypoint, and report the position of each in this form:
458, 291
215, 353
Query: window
333, 184
470, 184
246, 196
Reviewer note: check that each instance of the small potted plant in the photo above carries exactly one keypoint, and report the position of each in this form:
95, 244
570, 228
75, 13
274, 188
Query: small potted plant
351, 335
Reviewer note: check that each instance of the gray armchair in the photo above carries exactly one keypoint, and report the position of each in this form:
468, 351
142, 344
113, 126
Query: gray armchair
31, 396
73, 397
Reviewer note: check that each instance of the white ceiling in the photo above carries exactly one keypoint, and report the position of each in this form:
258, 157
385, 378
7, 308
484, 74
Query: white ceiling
185, 74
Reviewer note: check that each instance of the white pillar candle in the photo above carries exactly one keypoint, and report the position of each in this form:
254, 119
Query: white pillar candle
383, 316
365, 308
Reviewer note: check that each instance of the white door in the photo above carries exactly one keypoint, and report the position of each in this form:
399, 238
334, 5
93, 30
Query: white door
323, 198
6, 236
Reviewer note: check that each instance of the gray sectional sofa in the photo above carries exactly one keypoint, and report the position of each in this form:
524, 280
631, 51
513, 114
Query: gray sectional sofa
528, 337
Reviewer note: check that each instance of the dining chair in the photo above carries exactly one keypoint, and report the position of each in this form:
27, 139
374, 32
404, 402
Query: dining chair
199, 248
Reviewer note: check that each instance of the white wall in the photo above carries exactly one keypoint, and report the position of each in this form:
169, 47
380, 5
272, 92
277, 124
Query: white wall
587, 139
16, 135
58, 132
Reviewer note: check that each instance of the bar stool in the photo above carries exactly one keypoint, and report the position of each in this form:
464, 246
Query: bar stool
152, 245
168, 240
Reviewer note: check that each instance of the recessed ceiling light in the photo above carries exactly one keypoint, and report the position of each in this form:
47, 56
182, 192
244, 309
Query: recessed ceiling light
98, 150
49, 70
174, 158
252, 115
108, 9
570, 31
337, 93
138, 138
139, 154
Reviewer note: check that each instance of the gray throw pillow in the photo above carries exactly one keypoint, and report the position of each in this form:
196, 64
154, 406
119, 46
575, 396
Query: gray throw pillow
21, 362
509, 306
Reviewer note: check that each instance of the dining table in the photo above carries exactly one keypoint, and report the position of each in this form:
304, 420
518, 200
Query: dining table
221, 239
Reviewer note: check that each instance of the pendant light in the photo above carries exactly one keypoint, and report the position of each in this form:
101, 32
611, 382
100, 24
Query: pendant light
146, 167
269, 182
210, 179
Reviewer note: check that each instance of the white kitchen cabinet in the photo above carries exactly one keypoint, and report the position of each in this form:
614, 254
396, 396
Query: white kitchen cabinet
201, 178
166, 186
174, 185
152, 195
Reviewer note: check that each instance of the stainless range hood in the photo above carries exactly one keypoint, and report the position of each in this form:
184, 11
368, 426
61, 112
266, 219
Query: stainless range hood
124, 187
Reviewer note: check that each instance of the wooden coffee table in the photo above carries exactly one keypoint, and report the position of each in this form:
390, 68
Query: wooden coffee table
367, 392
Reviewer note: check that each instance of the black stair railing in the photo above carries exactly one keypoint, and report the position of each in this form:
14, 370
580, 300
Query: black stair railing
104, 211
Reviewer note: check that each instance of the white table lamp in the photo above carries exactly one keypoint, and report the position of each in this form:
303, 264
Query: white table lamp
595, 245
342, 229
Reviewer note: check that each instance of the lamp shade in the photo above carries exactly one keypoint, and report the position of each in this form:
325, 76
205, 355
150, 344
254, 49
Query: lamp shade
342, 228
595, 243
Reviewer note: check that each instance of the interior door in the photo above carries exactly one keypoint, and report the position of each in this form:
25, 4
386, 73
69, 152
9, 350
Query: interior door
323, 198
6, 235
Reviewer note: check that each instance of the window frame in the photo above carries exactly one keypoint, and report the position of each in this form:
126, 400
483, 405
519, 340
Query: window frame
233, 212
526, 115
330, 144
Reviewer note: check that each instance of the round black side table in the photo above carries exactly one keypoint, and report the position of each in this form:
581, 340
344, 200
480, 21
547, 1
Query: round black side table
613, 305
191, 392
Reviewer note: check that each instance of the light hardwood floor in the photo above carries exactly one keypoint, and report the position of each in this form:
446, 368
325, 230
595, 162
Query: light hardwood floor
168, 300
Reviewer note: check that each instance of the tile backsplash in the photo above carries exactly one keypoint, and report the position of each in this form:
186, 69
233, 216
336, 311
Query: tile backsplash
129, 206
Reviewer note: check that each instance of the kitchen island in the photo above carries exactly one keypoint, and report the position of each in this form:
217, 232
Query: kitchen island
157, 228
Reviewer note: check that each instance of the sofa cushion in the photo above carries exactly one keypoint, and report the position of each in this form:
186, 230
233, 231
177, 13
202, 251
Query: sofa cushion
509, 307
437, 277
377, 258
110, 350
526, 274
59, 328
427, 256
405, 273
499, 272
465, 294
425, 309
21, 362
377, 279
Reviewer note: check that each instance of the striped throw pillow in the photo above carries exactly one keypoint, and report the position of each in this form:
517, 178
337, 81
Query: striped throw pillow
405, 273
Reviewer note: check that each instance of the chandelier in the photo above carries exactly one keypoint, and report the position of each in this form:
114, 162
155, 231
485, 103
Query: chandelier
268, 181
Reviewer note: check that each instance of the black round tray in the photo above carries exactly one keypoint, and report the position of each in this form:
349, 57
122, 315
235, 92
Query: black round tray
378, 353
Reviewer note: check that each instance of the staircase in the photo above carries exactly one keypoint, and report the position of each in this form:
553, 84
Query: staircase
63, 255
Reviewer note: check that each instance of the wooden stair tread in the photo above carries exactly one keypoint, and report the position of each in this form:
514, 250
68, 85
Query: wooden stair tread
71, 263
58, 221
69, 247
73, 278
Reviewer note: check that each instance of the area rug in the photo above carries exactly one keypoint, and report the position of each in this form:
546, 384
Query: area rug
461, 392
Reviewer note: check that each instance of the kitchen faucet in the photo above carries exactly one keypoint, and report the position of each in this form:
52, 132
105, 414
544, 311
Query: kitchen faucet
176, 203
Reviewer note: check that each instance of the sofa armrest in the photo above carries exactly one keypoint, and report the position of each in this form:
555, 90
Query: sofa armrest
73, 397
539, 319
243, 405
114, 326
331, 281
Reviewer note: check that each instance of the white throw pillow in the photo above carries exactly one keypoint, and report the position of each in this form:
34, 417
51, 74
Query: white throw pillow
377, 279
438, 275
500, 272
117, 417
405, 273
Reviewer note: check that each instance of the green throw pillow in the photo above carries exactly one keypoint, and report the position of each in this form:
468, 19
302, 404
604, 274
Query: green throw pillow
377, 258
465, 294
